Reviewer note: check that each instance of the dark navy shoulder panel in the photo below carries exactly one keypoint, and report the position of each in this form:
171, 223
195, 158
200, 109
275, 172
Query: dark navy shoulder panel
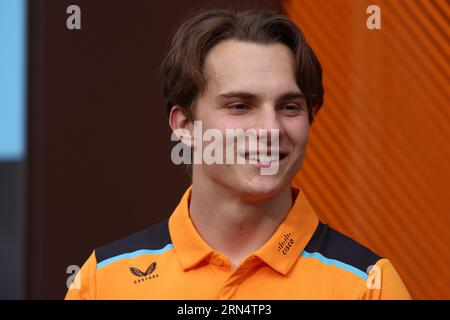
153, 238
334, 245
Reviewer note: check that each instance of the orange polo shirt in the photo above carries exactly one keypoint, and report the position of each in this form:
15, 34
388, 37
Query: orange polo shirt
304, 259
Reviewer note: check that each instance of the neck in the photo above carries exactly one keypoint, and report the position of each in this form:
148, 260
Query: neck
233, 225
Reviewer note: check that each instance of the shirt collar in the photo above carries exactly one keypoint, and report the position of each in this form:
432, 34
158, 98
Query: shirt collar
279, 253
189, 247
290, 239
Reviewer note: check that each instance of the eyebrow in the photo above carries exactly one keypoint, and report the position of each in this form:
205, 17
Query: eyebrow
251, 96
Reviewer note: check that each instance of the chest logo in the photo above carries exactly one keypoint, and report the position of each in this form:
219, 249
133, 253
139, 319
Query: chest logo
143, 276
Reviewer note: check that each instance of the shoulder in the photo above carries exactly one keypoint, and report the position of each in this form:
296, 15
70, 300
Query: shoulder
154, 238
331, 245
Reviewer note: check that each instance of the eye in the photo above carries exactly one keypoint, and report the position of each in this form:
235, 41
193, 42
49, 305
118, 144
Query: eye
238, 107
292, 109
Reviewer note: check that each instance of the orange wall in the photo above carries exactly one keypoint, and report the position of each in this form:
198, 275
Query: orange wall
377, 165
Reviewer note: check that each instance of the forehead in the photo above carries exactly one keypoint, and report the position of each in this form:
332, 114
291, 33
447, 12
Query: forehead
238, 65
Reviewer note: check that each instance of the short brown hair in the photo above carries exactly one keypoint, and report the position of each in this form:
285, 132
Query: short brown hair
183, 66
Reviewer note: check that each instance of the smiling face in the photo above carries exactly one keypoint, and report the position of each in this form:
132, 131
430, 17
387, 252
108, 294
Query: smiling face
253, 86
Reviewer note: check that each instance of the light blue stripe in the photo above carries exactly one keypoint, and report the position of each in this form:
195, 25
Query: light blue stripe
132, 255
13, 32
336, 263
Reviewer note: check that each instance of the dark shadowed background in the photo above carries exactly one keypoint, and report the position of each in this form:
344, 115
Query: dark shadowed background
99, 143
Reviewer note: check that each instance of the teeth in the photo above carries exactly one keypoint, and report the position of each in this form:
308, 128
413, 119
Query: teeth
262, 158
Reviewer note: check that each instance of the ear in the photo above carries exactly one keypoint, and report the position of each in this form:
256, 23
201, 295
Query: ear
181, 126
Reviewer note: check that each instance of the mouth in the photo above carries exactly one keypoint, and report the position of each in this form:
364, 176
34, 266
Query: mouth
264, 160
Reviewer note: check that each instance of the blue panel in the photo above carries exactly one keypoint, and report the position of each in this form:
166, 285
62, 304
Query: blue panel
12, 78
133, 254
336, 263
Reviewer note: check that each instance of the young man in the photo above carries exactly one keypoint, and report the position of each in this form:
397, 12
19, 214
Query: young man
238, 233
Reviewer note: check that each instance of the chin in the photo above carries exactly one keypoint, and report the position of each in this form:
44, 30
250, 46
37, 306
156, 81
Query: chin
249, 184
262, 187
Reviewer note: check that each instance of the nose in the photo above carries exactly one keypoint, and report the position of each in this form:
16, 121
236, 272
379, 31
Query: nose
269, 119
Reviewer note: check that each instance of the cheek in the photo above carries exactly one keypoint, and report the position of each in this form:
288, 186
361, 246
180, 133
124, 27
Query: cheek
232, 122
297, 132
216, 119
